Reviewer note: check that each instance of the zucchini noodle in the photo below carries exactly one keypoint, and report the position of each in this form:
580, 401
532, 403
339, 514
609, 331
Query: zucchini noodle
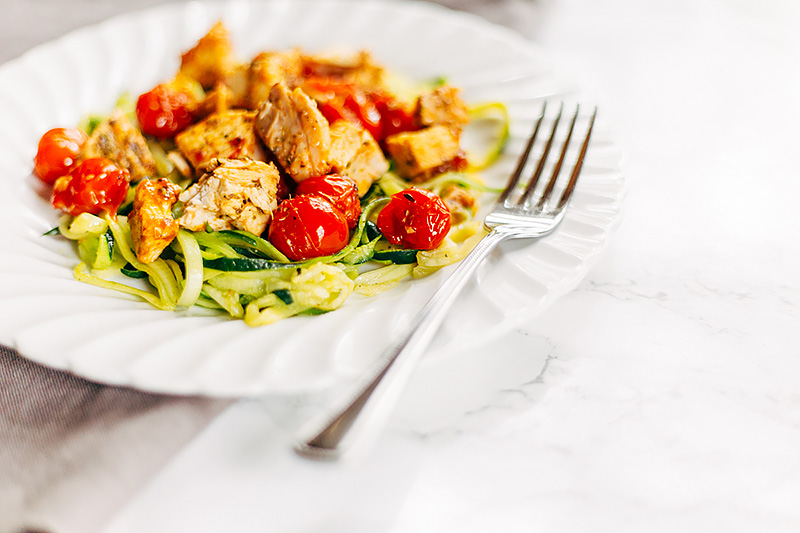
494, 111
81, 273
193, 264
246, 276
159, 273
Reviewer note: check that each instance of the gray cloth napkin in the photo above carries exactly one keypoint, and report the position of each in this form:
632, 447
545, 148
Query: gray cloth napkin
73, 452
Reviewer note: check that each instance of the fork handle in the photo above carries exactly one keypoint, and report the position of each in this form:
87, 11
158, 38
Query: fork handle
357, 418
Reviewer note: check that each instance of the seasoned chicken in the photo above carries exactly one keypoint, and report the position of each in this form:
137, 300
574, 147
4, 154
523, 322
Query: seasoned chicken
269, 68
234, 193
237, 81
422, 154
150, 220
359, 68
295, 131
355, 154
227, 135
217, 100
211, 59
121, 142
442, 106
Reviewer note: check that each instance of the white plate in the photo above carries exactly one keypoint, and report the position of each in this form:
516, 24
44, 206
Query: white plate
111, 338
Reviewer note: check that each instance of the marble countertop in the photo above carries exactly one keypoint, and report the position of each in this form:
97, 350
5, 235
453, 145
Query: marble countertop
660, 395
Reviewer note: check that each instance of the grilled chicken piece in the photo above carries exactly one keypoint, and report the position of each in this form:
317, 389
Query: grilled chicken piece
237, 81
269, 68
217, 100
359, 68
234, 193
150, 220
422, 154
118, 140
442, 106
226, 135
355, 154
295, 131
211, 59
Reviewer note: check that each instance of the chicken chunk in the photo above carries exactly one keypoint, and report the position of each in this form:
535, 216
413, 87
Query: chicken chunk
269, 68
359, 68
211, 59
355, 153
234, 193
295, 131
227, 135
442, 106
121, 142
237, 80
151, 222
422, 154
217, 100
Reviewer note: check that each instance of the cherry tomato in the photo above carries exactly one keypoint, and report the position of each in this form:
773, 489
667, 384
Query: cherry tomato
416, 219
339, 190
365, 111
308, 226
94, 186
394, 117
163, 111
380, 114
58, 151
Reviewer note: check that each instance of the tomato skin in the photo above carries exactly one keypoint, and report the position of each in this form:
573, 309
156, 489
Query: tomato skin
58, 151
378, 113
163, 111
416, 219
94, 186
366, 112
308, 226
339, 190
394, 118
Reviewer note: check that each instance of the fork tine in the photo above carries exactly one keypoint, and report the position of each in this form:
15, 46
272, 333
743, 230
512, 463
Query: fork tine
540, 167
548, 191
512, 182
573, 179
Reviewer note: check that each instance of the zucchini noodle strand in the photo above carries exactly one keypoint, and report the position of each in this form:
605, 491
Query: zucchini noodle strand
193, 267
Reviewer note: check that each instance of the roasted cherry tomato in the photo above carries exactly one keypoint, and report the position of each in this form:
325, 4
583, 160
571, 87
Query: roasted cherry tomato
415, 219
94, 186
339, 190
58, 152
308, 226
394, 117
380, 114
164, 111
364, 109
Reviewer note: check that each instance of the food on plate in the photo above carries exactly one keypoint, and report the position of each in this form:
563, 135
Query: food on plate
272, 187
233, 193
94, 186
226, 135
415, 219
117, 139
152, 225
308, 226
58, 152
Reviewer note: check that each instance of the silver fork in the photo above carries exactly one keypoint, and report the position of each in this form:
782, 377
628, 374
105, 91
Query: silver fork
352, 422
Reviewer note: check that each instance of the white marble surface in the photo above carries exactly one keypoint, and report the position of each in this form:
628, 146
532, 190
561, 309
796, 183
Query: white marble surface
661, 395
